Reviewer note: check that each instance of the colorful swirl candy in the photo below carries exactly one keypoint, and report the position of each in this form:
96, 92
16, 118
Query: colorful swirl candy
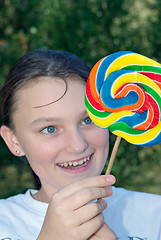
123, 93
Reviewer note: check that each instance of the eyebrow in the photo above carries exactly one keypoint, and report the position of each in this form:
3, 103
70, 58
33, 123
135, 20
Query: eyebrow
44, 120
84, 113
53, 119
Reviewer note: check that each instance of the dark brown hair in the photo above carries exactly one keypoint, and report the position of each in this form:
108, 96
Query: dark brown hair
39, 63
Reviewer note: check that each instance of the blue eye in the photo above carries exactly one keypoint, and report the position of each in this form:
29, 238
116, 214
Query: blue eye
87, 121
49, 130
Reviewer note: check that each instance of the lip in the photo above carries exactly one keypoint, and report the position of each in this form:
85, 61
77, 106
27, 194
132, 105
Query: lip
79, 169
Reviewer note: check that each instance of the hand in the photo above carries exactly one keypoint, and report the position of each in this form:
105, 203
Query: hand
71, 215
104, 233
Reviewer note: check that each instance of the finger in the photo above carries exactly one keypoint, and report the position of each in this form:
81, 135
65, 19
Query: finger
97, 182
104, 233
92, 226
86, 195
89, 211
82, 197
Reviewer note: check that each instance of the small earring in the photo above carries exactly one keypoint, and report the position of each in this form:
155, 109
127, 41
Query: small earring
17, 151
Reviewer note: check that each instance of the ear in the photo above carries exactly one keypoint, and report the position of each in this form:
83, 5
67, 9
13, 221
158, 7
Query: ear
11, 141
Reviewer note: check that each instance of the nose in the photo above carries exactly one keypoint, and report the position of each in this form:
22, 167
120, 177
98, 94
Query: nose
76, 142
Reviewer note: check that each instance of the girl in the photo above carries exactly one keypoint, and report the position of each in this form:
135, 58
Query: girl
45, 120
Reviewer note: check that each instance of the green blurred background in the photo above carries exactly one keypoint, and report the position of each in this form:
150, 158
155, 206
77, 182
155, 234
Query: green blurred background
91, 29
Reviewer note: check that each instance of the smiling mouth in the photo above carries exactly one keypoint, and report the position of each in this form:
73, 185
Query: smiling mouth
75, 164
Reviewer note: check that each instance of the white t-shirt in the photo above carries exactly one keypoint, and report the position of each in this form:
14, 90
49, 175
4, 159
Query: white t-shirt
131, 215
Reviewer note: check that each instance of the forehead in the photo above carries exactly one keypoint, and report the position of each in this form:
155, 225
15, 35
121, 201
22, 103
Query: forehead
47, 94
38, 90
50, 88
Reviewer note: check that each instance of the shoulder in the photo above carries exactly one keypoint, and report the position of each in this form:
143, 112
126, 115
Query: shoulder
136, 200
10, 209
21, 212
12, 203
24, 202
21, 204
122, 194
131, 213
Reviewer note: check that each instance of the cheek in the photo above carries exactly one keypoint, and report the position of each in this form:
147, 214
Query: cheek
41, 158
40, 152
100, 138
100, 141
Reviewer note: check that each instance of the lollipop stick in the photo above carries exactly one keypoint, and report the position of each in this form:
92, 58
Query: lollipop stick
113, 155
112, 158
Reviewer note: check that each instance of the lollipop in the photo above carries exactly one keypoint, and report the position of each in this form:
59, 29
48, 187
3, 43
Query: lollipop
123, 94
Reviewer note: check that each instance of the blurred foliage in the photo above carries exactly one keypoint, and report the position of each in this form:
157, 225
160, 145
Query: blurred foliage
91, 29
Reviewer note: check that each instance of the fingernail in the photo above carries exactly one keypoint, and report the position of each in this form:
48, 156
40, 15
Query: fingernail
104, 203
109, 190
109, 178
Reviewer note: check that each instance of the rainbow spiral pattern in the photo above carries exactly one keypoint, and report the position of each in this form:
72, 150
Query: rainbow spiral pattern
123, 93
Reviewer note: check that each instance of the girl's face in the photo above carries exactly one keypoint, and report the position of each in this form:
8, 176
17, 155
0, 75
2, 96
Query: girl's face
58, 138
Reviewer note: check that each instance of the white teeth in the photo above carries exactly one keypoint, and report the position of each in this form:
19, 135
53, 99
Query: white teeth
61, 164
81, 162
74, 164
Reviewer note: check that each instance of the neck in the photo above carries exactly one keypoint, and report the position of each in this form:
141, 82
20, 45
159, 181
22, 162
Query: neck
42, 195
